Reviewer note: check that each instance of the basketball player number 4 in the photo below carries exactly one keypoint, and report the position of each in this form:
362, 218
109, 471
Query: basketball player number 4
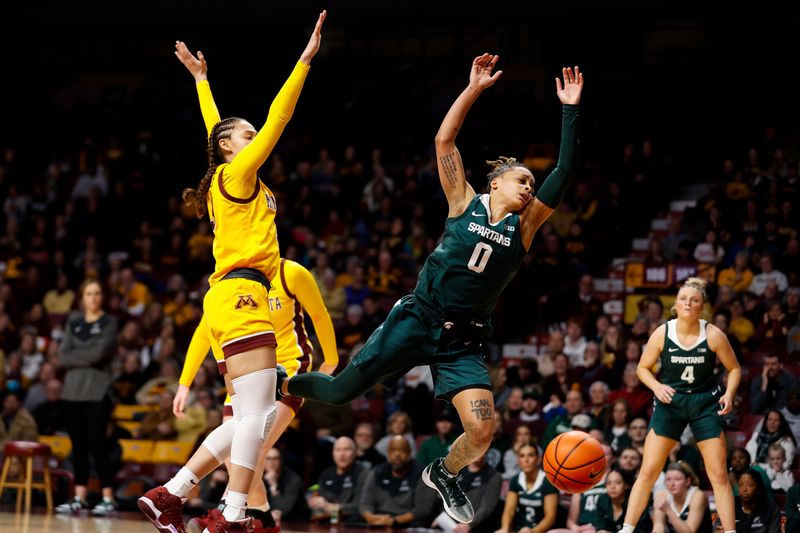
480, 256
688, 374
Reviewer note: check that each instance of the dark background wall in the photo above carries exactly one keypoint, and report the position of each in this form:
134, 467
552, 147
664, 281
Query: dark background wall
701, 81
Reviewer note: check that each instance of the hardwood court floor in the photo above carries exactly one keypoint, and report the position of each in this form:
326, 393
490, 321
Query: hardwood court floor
125, 523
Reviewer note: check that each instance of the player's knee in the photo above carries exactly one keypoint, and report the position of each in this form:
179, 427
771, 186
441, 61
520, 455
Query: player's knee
648, 473
717, 476
480, 435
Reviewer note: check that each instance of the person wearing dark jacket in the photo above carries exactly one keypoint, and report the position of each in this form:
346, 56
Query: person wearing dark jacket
793, 509
755, 513
340, 485
284, 490
394, 494
86, 353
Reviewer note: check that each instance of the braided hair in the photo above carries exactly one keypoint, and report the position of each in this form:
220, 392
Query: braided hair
221, 130
501, 165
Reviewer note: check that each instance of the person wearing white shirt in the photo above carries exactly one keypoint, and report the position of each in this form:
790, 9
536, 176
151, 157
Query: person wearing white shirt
768, 275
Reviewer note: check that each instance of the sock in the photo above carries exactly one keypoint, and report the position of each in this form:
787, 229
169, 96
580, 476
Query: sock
626, 528
182, 483
235, 505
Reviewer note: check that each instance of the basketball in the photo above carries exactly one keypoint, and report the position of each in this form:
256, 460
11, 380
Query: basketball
574, 462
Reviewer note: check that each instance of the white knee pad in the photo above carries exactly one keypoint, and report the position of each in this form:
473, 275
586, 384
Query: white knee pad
219, 441
255, 403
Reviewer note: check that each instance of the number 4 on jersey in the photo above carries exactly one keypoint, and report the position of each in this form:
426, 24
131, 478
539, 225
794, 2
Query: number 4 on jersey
688, 374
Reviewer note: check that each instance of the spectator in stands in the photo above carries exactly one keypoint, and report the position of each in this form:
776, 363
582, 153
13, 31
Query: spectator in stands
58, 301
135, 294
86, 353
709, 251
522, 437
793, 509
167, 379
51, 416
738, 463
561, 380
394, 493
531, 414
599, 407
770, 389
639, 397
637, 431
773, 429
333, 295
482, 484
351, 335
722, 320
159, 424
284, 490
366, 454
593, 369
340, 485
130, 380
780, 477
575, 342
682, 506
562, 423
767, 275
755, 512
773, 329
32, 358
384, 279
399, 423
16, 423
438, 445
792, 412
791, 305
584, 304
36, 393
500, 388
616, 429
500, 443
741, 327
531, 502
612, 506
630, 459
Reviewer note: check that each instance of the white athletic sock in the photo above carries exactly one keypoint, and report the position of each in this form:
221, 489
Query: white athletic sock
626, 528
182, 483
235, 506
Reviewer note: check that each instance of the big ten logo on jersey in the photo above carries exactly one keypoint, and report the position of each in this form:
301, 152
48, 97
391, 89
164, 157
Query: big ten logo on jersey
244, 301
271, 203
275, 304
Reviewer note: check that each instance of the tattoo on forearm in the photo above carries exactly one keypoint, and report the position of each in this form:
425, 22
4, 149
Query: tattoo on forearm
482, 409
450, 169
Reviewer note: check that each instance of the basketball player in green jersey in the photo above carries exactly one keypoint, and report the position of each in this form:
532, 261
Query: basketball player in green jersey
444, 322
687, 393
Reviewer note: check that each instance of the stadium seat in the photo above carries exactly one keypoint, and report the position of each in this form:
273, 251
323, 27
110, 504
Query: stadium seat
61, 445
130, 426
739, 438
131, 412
137, 451
171, 452
25, 452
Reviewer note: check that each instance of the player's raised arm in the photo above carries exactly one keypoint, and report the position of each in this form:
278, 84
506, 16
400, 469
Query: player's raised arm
198, 68
451, 169
549, 195
246, 163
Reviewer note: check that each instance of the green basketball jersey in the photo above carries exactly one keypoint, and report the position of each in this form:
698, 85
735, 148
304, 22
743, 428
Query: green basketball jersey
473, 264
588, 512
687, 368
530, 505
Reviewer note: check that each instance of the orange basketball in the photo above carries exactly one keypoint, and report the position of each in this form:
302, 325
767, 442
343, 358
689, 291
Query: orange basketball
574, 462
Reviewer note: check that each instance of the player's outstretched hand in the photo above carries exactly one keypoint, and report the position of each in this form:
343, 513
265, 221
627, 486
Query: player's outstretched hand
195, 65
569, 92
313, 43
480, 76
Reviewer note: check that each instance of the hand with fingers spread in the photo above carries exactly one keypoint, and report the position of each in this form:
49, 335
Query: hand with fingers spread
569, 92
664, 393
481, 77
313, 43
196, 65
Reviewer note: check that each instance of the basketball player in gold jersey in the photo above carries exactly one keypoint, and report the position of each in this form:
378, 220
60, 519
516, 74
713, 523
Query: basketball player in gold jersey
294, 293
236, 307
